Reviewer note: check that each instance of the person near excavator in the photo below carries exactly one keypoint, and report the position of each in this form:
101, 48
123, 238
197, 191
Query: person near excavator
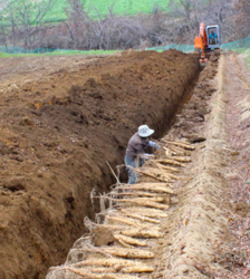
136, 151
213, 37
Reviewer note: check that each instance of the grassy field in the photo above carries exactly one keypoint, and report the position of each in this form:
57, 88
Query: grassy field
56, 53
128, 7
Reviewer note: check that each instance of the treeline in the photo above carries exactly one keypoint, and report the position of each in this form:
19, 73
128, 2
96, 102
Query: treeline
23, 24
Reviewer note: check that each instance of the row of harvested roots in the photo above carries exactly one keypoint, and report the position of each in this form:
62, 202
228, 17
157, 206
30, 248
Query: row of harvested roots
120, 245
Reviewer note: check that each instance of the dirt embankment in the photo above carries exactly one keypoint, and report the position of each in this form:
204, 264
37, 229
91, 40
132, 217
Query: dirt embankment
58, 131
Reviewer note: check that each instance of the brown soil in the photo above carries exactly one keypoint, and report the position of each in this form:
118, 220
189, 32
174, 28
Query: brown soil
61, 120
202, 228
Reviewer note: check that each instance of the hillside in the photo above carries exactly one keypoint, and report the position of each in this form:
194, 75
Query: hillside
120, 7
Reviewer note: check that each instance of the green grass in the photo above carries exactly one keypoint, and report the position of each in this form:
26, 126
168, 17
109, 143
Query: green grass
127, 7
57, 53
101, 7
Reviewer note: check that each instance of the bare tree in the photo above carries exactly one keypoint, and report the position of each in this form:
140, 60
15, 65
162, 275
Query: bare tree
108, 32
241, 18
188, 14
24, 20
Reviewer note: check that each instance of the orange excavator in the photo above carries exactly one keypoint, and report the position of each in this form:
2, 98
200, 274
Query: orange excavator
208, 40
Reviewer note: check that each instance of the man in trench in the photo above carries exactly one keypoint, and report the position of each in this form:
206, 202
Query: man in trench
136, 151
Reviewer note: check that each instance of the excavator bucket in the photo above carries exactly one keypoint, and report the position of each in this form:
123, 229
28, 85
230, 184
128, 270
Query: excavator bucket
203, 62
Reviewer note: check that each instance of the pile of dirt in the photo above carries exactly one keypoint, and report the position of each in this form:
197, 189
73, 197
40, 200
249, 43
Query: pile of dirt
58, 131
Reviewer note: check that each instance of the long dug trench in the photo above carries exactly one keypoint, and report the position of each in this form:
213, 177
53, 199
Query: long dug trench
60, 130
165, 226
59, 126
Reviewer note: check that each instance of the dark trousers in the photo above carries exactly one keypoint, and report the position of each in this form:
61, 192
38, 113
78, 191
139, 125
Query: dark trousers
130, 166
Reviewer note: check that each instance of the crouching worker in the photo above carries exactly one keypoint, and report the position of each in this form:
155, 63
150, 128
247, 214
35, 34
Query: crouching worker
136, 149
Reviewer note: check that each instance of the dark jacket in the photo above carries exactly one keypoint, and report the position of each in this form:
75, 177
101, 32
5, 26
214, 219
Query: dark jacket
136, 145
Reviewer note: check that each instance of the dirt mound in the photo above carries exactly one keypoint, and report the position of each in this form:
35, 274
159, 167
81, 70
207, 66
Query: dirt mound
58, 131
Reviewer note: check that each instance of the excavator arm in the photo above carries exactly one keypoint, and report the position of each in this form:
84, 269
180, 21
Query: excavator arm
200, 43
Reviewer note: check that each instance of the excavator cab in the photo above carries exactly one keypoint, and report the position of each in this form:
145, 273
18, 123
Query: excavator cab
208, 40
213, 37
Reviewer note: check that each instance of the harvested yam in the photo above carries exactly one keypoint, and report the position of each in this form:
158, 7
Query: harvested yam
180, 151
107, 275
167, 173
153, 187
117, 276
168, 151
182, 159
114, 227
102, 270
184, 145
123, 243
138, 193
83, 273
146, 203
149, 212
142, 232
169, 162
169, 169
136, 269
126, 220
154, 199
130, 240
117, 264
172, 175
160, 176
128, 253
142, 218
183, 142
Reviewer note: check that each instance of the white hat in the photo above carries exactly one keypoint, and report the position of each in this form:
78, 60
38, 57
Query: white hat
144, 131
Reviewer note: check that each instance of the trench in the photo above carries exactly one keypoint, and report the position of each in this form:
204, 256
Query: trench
90, 126
183, 128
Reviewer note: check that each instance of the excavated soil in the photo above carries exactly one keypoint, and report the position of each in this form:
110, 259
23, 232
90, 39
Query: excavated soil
62, 119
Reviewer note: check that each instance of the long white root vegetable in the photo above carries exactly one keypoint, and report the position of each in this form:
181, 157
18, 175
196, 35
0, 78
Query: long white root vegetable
117, 264
130, 240
88, 275
151, 204
169, 161
128, 253
158, 176
162, 167
182, 159
149, 212
153, 199
141, 232
184, 145
142, 218
124, 244
146, 203
168, 168
153, 187
103, 269
180, 151
136, 269
125, 220
138, 194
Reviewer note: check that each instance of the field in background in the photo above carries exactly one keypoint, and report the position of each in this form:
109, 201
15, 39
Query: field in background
120, 7
58, 52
